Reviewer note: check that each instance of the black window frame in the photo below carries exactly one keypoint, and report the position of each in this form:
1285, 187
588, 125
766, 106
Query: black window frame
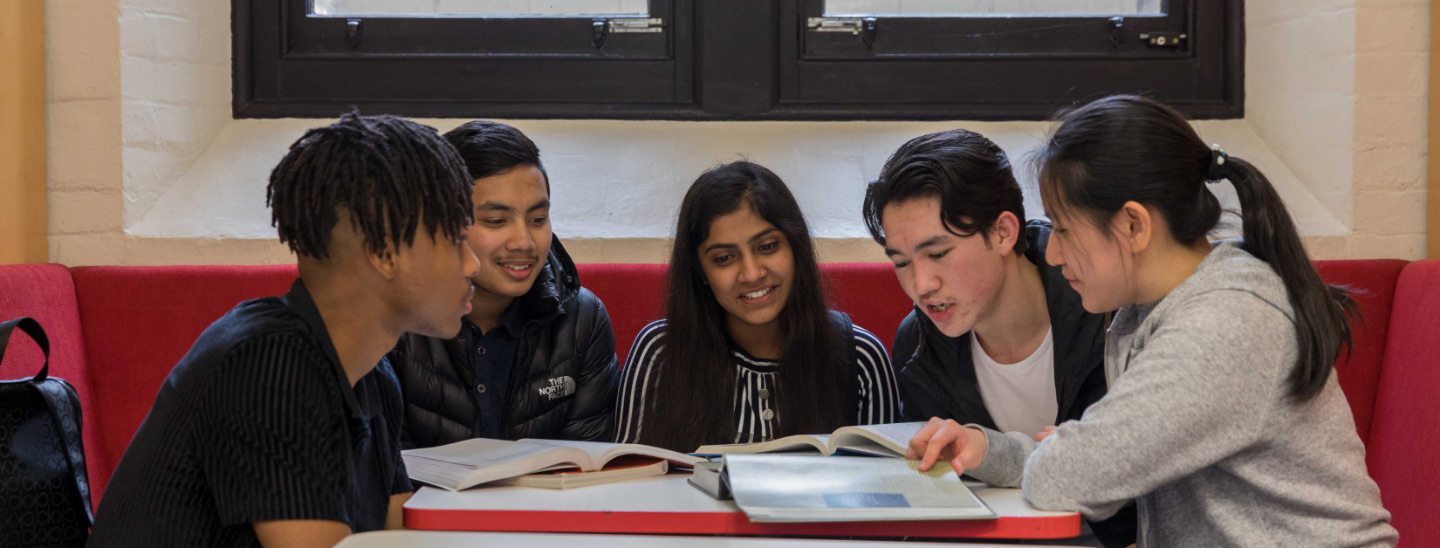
731, 60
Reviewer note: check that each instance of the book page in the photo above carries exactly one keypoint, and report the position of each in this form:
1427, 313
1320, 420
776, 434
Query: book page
894, 436
798, 442
623, 469
484, 452
863, 447
601, 452
788, 488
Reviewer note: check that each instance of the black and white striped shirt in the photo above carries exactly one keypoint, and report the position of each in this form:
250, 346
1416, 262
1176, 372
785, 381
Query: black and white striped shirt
754, 386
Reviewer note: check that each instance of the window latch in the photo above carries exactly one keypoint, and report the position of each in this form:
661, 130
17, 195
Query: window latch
1163, 39
354, 32
602, 28
864, 27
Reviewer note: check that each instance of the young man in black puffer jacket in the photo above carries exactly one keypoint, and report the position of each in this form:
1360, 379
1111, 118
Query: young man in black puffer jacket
536, 357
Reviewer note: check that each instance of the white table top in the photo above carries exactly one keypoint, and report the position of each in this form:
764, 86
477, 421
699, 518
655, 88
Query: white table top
668, 493
434, 539
668, 505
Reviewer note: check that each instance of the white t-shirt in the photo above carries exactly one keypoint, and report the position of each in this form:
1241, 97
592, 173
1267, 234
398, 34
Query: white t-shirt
1021, 396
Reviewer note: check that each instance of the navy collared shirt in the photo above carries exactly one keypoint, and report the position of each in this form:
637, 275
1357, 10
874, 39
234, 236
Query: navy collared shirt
492, 355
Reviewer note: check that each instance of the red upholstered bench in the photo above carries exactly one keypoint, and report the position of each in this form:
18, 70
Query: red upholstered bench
117, 331
46, 292
138, 322
1404, 444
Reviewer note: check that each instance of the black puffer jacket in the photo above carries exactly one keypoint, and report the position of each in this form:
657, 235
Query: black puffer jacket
562, 381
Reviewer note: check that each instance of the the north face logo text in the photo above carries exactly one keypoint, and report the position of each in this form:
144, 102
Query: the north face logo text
559, 388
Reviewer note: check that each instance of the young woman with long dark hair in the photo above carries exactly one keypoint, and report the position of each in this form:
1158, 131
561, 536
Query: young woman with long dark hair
748, 350
1224, 420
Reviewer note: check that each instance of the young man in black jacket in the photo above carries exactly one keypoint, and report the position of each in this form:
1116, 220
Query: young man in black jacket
536, 357
998, 337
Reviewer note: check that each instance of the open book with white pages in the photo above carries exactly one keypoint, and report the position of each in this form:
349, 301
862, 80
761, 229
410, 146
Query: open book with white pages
872, 440
787, 488
630, 467
471, 462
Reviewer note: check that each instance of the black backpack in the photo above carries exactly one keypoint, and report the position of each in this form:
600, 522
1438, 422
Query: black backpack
44, 492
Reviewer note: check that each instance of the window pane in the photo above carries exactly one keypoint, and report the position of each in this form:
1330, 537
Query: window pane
479, 8
989, 8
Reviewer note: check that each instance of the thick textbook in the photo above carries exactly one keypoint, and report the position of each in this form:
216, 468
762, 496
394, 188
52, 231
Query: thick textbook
875, 440
465, 464
709, 477
787, 488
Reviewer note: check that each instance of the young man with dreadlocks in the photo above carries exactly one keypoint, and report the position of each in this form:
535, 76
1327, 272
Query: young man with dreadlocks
998, 337
536, 358
281, 426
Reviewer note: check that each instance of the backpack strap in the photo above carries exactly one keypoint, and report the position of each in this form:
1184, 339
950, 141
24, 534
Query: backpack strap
64, 406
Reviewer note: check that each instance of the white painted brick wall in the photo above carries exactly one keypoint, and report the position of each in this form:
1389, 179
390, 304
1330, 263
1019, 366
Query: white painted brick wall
1300, 90
146, 166
175, 91
1390, 147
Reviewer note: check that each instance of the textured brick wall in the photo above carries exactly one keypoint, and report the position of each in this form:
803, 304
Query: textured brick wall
146, 166
1391, 107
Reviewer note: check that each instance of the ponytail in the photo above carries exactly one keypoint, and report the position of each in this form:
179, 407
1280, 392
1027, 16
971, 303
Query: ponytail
1129, 148
1321, 324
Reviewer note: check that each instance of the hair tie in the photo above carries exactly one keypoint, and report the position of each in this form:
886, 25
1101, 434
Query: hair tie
1219, 165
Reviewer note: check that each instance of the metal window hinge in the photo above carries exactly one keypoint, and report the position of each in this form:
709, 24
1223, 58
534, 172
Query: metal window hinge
1163, 39
864, 27
602, 28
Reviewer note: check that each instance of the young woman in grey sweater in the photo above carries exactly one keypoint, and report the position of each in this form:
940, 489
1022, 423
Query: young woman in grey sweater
1223, 420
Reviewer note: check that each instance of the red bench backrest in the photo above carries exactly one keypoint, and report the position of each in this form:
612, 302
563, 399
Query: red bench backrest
141, 320
1373, 288
1404, 450
632, 294
46, 292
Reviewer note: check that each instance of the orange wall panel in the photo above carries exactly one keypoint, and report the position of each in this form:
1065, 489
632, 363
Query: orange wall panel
22, 132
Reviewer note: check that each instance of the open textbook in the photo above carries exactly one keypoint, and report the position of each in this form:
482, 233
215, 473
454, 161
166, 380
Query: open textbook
876, 440
630, 467
468, 463
810, 489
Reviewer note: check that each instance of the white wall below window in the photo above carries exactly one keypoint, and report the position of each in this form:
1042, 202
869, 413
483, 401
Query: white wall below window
613, 179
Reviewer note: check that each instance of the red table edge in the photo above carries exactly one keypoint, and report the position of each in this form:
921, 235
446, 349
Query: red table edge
730, 523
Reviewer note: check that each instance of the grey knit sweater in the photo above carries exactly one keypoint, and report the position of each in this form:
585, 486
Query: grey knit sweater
1197, 428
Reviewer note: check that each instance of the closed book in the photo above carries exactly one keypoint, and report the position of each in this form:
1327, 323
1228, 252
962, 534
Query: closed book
710, 478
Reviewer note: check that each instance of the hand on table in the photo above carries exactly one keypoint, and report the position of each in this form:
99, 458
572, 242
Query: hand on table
947, 440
